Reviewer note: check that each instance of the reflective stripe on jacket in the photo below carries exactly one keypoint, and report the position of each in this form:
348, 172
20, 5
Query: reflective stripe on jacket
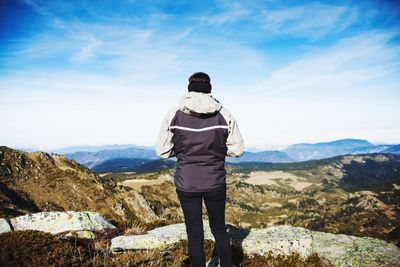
200, 133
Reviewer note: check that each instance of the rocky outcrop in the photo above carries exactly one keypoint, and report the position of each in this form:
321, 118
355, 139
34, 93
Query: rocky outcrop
339, 249
4, 226
137, 204
58, 222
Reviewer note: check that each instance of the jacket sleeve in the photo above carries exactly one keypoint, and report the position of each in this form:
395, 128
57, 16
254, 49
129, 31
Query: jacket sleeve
164, 144
234, 141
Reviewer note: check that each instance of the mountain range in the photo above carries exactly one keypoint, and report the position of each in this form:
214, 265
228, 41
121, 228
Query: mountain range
99, 158
303, 152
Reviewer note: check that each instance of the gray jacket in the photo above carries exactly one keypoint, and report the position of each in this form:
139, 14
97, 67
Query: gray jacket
200, 132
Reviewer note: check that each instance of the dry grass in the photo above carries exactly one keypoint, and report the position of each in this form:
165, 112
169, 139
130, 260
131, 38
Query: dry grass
35, 248
273, 178
138, 183
136, 228
293, 260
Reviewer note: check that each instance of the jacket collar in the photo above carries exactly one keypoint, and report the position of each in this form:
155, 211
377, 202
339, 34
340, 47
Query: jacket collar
199, 103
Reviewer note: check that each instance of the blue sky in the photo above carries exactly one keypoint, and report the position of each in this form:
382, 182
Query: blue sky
106, 72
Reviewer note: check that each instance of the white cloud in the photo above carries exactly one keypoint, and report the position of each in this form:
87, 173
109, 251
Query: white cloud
87, 49
73, 109
232, 12
310, 20
348, 90
352, 62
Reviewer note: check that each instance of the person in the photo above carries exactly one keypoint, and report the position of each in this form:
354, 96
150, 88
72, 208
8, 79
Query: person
200, 133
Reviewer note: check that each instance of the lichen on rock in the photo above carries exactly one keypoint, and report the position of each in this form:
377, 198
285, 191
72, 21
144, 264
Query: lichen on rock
339, 249
57, 222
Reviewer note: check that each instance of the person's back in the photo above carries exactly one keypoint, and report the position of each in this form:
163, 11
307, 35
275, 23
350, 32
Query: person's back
200, 132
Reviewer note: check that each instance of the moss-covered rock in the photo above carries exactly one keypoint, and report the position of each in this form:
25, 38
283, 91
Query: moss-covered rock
58, 222
339, 249
283, 240
347, 250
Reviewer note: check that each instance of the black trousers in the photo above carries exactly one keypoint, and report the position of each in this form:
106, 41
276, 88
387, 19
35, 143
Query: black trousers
191, 203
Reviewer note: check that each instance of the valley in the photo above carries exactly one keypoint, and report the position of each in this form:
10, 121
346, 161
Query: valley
316, 196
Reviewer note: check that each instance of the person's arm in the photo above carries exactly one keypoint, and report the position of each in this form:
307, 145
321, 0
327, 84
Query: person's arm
234, 142
164, 144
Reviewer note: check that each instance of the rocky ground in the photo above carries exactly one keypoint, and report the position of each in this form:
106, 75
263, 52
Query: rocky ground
88, 239
315, 198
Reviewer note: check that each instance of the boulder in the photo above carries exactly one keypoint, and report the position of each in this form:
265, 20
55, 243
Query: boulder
347, 250
4, 226
141, 207
339, 249
57, 222
282, 240
157, 238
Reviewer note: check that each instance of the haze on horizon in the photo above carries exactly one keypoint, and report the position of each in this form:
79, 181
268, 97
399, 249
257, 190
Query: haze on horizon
85, 73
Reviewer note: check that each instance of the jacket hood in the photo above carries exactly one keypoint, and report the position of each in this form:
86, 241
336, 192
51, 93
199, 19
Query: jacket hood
199, 103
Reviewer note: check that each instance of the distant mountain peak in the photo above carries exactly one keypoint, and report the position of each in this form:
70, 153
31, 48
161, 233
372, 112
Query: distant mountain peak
347, 141
305, 151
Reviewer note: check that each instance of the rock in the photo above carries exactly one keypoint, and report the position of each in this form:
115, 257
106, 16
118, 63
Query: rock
4, 226
57, 222
141, 207
332, 246
282, 240
340, 250
347, 250
157, 238
82, 234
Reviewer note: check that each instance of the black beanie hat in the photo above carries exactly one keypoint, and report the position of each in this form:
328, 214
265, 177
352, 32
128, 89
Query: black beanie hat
199, 82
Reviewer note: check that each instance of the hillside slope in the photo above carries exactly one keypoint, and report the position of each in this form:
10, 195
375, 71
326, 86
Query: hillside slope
38, 181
